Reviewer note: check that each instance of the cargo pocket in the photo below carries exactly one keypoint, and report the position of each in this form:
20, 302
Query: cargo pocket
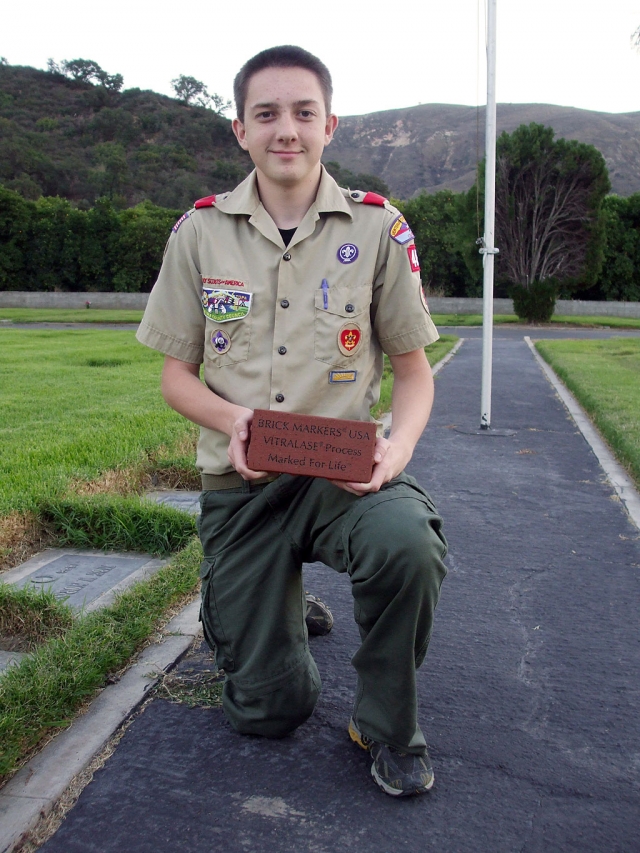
212, 629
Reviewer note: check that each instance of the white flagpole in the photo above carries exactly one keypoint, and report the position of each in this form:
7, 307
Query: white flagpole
488, 249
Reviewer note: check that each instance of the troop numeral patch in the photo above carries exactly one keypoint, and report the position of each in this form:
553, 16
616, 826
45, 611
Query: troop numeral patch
225, 305
413, 258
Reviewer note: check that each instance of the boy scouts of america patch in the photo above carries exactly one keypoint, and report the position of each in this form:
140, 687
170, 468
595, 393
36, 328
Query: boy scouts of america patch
349, 338
220, 341
400, 231
225, 305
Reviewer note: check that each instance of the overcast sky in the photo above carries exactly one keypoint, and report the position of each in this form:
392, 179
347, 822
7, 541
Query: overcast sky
569, 52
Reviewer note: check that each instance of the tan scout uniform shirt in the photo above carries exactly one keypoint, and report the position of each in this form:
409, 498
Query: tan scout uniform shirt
271, 333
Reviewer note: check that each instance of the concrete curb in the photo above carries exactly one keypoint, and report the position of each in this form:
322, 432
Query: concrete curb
35, 789
616, 474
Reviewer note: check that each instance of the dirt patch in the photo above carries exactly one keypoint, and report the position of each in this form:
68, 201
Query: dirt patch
21, 536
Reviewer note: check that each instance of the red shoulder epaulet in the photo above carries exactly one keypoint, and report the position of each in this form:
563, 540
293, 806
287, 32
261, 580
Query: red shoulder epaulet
207, 201
374, 198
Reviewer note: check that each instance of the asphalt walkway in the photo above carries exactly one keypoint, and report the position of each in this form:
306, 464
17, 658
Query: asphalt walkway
529, 693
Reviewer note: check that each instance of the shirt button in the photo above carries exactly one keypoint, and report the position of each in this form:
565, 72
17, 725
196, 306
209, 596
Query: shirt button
286, 256
284, 303
349, 308
282, 350
279, 398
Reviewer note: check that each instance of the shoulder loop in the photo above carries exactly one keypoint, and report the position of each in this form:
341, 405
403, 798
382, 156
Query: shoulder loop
207, 201
374, 198
367, 198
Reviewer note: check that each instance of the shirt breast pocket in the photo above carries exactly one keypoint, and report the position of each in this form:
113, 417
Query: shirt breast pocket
342, 327
227, 343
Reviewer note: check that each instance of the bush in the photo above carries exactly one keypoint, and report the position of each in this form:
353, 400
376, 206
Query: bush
535, 303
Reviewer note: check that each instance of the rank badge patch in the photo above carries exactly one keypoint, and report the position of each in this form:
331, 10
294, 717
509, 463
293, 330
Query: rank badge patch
225, 305
413, 258
347, 253
349, 338
400, 231
220, 341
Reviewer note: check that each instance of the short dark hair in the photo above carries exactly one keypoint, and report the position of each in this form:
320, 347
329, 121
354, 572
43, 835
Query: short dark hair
284, 56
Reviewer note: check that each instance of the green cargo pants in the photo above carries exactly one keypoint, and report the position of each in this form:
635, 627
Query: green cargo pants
255, 539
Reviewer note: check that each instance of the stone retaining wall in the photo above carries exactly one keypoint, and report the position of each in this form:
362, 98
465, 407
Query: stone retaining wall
438, 305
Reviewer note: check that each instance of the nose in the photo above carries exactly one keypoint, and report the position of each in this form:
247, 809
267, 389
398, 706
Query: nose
287, 130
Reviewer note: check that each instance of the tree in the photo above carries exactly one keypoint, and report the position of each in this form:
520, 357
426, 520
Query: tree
189, 89
620, 275
436, 222
87, 71
548, 198
356, 181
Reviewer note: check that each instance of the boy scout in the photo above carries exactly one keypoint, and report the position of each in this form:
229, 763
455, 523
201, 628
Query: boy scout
289, 290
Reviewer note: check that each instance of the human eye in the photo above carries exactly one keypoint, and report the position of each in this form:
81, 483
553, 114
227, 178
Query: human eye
306, 114
264, 115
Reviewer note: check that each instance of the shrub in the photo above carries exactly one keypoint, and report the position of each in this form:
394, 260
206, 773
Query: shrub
535, 303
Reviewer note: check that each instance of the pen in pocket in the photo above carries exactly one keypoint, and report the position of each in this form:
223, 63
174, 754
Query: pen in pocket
325, 293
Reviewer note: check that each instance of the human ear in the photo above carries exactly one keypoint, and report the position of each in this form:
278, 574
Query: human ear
240, 133
330, 128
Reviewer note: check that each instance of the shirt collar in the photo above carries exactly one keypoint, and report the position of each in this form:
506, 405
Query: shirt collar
245, 199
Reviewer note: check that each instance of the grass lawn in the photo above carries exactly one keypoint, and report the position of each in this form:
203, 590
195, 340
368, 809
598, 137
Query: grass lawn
560, 319
70, 315
76, 404
605, 377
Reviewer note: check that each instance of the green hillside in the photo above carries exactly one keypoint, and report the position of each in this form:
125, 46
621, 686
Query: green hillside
65, 137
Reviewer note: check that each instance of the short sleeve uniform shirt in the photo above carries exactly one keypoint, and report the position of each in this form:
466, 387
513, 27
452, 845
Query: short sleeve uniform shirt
301, 328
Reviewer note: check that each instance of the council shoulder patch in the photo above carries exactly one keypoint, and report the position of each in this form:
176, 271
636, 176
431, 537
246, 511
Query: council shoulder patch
225, 305
400, 231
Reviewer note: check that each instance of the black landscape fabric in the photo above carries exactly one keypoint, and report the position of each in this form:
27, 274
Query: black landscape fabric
528, 694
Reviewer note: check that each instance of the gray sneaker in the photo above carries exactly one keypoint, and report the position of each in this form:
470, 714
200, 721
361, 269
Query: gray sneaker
399, 774
319, 618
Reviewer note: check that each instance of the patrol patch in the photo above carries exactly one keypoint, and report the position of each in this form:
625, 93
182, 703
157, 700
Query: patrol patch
336, 376
349, 338
400, 231
220, 341
347, 253
413, 258
180, 221
225, 305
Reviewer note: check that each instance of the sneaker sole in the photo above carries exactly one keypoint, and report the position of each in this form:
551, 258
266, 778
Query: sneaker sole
394, 792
